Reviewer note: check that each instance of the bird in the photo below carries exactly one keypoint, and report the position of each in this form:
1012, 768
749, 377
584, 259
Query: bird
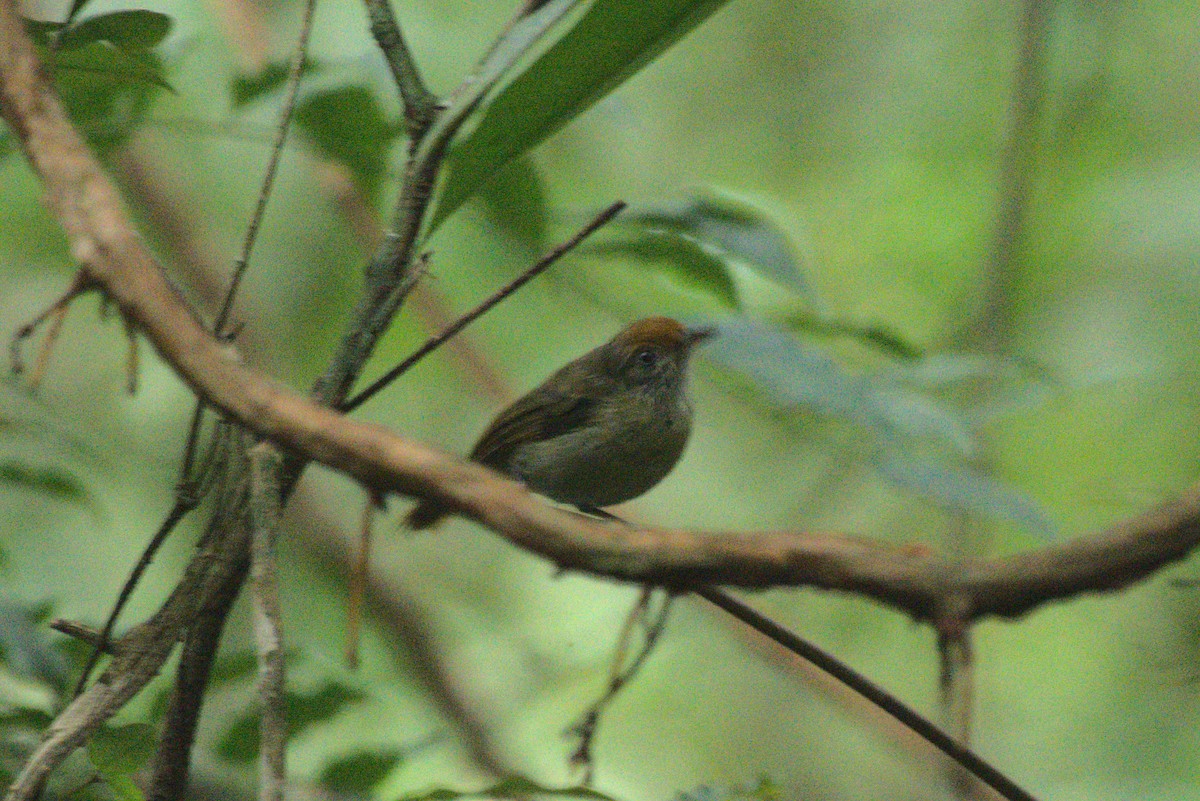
603, 429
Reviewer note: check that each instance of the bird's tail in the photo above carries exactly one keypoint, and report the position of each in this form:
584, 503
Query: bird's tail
425, 514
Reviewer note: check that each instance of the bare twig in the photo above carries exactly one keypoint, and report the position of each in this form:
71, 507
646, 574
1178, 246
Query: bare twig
132, 361
359, 572
991, 330
83, 633
264, 193
957, 693
869, 690
264, 516
621, 675
439, 339
56, 312
101, 645
386, 286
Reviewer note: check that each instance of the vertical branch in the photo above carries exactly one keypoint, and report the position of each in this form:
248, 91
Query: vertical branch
224, 545
264, 520
993, 328
957, 693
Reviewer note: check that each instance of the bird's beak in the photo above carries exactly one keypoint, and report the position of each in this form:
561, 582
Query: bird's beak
697, 334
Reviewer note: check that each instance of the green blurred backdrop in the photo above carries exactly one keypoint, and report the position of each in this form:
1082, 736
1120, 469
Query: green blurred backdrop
871, 135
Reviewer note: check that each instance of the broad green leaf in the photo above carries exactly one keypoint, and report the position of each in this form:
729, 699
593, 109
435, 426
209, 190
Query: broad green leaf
902, 420
510, 787
131, 31
123, 787
357, 774
41, 31
515, 201
242, 664
790, 374
764, 790
913, 413
107, 91
611, 41
795, 375
303, 710
348, 125
110, 66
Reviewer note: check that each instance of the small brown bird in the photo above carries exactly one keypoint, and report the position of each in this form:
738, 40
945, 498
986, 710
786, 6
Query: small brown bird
603, 429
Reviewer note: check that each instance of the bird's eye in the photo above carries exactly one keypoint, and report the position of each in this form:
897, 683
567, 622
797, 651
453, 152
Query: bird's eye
647, 357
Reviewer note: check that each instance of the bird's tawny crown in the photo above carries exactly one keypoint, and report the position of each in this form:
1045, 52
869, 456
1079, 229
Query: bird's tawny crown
659, 332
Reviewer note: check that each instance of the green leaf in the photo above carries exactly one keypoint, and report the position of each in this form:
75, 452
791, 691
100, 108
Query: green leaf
242, 664
904, 421
610, 42
510, 787
121, 750
303, 710
790, 374
129, 31
874, 336
357, 774
247, 88
963, 489
515, 202
26, 648
735, 227
348, 126
688, 259
110, 67
48, 479
42, 31
793, 375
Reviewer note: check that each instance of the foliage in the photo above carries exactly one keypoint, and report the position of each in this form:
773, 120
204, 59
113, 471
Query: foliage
821, 181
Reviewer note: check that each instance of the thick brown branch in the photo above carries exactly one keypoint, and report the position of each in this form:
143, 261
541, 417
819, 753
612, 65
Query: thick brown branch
113, 255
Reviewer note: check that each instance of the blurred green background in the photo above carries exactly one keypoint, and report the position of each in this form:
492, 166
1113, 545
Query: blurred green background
869, 135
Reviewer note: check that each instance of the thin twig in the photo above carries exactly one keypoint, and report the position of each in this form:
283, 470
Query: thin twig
359, 573
420, 105
956, 694
56, 313
264, 516
186, 499
177, 513
132, 359
620, 676
264, 193
85, 634
437, 340
192, 489
869, 690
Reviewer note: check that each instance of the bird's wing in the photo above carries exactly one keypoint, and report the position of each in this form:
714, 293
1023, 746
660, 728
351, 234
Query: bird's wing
542, 414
